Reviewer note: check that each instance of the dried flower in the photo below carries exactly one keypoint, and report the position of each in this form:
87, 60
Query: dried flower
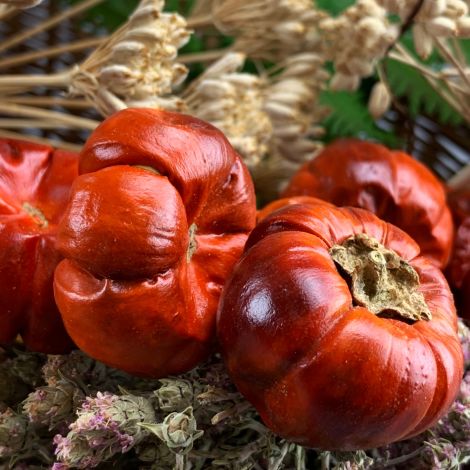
356, 40
463, 27
380, 100
441, 453
174, 394
233, 102
267, 119
178, 430
106, 425
53, 406
269, 29
137, 63
291, 102
13, 431
85, 372
423, 41
342, 82
441, 26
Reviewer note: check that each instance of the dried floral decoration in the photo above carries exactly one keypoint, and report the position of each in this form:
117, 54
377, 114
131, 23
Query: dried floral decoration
272, 117
137, 63
95, 414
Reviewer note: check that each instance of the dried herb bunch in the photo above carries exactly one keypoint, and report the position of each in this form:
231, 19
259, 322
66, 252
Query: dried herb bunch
296, 52
73, 412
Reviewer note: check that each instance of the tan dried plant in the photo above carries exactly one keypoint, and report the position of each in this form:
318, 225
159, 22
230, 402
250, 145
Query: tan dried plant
271, 117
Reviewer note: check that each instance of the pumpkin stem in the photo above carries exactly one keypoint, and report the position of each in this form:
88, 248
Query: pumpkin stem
147, 168
192, 247
36, 214
380, 280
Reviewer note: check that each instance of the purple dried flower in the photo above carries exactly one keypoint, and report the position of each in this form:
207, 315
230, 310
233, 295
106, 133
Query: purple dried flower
106, 425
63, 446
60, 466
52, 406
441, 453
126, 442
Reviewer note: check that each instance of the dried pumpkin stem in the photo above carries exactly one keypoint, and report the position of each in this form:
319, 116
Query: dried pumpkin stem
35, 214
148, 168
381, 281
192, 247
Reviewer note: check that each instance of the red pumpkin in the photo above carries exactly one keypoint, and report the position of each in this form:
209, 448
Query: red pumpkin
288, 201
338, 331
392, 185
459, 267
35, 183
156, 221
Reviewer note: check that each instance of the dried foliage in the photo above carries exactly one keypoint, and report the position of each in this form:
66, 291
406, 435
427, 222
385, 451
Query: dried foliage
74, 412
272, 116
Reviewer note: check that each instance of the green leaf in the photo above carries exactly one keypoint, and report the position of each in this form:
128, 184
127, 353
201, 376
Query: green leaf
334, 6
465, 45
350, 117
407, 82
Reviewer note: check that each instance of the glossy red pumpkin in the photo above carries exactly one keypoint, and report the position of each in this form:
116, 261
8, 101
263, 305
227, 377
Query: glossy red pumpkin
288, 201
322, 369
156, 221
459, 266
391, 184
35, 183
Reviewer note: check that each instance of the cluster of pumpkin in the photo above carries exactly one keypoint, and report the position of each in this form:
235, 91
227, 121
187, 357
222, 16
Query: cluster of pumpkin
339, 327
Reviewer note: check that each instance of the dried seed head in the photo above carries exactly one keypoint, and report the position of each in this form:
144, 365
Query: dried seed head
379, 100
456, 9
430, 9
271, 29
342, 82
441, 26
357, 39
396, 7
290, 102
171, 103
422, 41
370, 8
357, 66
463, 27
137, 63
232, 101
370, 30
